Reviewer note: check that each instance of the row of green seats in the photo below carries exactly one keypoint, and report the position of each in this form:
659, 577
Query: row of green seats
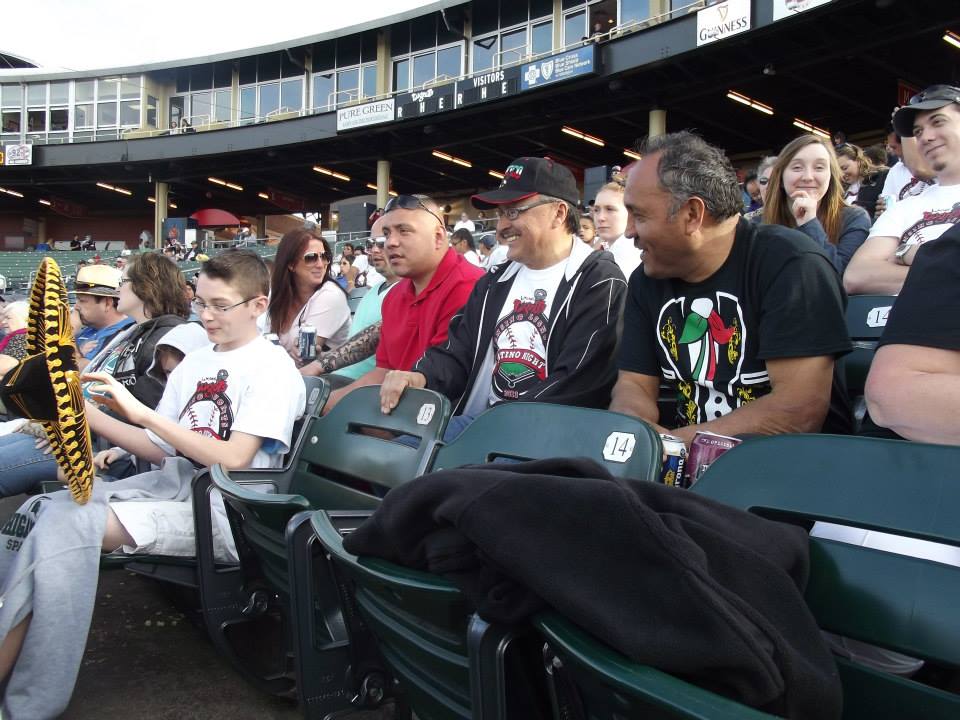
346, 464
897, 602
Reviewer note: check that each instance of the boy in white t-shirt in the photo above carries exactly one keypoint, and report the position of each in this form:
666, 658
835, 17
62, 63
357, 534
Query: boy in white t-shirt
219, 406
233, 402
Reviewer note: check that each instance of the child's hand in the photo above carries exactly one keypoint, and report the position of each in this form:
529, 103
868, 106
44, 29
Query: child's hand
115, 396
105, 458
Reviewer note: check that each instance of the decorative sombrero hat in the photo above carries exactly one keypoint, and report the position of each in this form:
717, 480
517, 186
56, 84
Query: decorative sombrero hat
45, 386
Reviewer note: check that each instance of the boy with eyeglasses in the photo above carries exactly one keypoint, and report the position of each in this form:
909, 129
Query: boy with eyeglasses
232, 402
219, 406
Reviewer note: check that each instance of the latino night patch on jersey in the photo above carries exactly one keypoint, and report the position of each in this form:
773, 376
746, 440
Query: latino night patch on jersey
519, 341
209, 411
702, 340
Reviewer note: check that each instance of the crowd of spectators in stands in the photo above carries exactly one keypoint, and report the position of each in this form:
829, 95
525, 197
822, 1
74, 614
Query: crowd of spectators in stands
730, 295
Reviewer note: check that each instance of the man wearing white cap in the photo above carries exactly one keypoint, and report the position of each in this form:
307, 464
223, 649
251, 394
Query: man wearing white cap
98, 292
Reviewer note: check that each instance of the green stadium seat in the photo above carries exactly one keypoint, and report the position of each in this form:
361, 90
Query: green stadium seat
866, 318
182, 572
901, 603
339, 467
624, 445
449, 662
587, 679
444, 656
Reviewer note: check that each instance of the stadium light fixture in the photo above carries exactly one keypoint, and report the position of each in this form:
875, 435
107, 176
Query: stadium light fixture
115, 188
633, 155
224, 183
331, 173
451, 158
45, 202
804, 125
11, 192
952, 38
750, 102
263, 195
494, 173
373, 187
580, 135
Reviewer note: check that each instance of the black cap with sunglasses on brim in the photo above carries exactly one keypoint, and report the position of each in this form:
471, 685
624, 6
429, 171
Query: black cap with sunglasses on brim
529, 176
933, 98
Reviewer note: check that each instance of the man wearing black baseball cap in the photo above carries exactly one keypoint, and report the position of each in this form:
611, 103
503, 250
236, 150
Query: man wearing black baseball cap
541, 326
880, 266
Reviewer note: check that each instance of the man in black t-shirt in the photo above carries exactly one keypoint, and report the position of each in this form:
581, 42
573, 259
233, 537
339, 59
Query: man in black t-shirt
914, 383
744, 322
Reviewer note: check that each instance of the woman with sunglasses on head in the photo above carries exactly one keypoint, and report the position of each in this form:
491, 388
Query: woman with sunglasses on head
303, 292
862, 180
805, 192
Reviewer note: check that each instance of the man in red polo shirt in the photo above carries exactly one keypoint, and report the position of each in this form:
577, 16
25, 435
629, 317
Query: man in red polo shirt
435, 282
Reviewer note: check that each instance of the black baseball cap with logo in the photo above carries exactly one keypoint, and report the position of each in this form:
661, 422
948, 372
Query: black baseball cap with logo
529, 176
933, 98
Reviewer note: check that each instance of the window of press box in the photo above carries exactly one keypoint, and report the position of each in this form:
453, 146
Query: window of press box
423, 33
401, 75
59, 119
369, 75
10, 121
130, 113
603, 14
37, 94
323, 89
348, 50
83, 91
59, 93
574, 27
151, 112
36, 121
10, 95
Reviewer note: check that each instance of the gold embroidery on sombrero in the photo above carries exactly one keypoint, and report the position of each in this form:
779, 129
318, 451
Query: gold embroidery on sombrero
49, 332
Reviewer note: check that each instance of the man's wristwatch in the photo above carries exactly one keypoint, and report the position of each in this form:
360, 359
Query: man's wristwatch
901, 252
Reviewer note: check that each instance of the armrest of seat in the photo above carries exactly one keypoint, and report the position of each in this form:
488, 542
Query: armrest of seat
220, 477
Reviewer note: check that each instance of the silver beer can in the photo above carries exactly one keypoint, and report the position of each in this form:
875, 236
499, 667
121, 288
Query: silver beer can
307, 345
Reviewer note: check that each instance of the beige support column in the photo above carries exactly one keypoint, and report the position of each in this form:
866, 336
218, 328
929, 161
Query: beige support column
657, 123
42, 230
557, 24
384, 68
383, 182
261, 226
659, 7
160, 192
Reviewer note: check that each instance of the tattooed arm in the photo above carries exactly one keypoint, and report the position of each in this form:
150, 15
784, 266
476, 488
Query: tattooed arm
359, 347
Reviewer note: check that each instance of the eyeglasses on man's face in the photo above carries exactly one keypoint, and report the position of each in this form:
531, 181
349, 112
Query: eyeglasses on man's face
512, 213
199, 306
